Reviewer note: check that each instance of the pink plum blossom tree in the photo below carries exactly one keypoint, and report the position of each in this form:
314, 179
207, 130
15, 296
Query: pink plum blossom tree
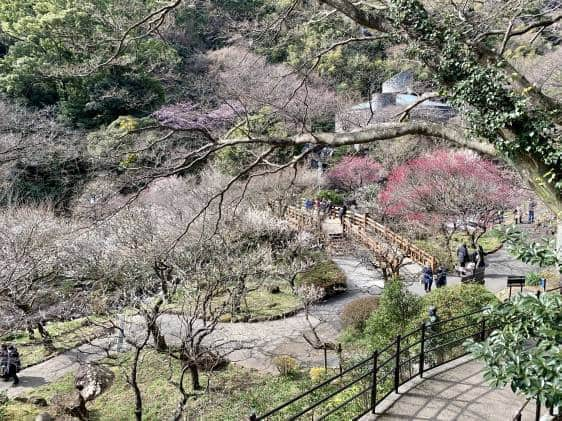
449, 190
353, 172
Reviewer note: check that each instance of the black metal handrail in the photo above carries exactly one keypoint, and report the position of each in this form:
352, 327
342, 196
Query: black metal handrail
404, 355
411, 358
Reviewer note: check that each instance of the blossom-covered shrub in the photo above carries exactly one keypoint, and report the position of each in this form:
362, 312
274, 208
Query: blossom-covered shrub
353, 172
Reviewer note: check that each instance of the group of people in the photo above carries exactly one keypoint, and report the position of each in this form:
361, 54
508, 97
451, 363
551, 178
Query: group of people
324, 206
10, 363
318, 205
518, 213
470, 261
440, 277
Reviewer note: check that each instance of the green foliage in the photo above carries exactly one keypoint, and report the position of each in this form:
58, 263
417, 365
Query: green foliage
59, 53
332, 195
493, 106
233, 159
526, 351
532, 279
357, 66
326, 275
54, 176
358, 311
456, 300
396, 311
540, 253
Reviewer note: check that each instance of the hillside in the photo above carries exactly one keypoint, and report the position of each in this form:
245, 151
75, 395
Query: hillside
150, 151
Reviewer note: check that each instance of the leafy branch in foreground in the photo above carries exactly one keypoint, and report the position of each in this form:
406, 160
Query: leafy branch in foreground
540, 253
526, 352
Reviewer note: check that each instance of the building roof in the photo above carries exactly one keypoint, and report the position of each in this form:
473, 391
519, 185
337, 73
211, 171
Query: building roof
399, 83
404, 100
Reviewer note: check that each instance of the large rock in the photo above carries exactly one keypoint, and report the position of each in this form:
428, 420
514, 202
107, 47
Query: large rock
92, 380
45, 416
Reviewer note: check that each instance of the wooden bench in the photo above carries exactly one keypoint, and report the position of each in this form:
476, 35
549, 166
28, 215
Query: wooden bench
515, 281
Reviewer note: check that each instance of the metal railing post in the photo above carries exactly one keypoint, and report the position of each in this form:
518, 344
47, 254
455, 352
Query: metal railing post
483, 330
374, 389
422, 349
397, 365
538, 411
253, 417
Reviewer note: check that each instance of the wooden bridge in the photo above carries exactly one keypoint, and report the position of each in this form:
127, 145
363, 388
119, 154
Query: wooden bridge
362, 228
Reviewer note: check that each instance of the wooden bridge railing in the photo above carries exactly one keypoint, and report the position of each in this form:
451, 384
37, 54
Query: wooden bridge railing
365, 229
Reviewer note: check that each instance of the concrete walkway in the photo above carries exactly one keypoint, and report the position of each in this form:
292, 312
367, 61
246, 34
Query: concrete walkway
455, 391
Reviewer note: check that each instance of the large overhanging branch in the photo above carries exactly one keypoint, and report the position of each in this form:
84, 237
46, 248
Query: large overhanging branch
368, 19
377, 132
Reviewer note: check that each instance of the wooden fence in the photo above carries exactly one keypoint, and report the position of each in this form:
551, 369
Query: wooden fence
363, 228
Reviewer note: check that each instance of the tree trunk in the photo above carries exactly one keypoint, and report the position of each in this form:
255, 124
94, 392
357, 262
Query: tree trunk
195, 382
135, 386
159, 339
46, 339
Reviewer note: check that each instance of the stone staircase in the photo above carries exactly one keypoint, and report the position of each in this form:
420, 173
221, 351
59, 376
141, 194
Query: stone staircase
337, 244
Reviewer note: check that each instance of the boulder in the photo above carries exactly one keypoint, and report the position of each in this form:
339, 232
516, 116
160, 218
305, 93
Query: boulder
45, 416
92, 380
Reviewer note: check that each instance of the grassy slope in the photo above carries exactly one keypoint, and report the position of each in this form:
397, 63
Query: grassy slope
233, 393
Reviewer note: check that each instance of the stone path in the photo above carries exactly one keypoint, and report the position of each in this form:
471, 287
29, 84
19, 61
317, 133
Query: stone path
455, 391
260, 342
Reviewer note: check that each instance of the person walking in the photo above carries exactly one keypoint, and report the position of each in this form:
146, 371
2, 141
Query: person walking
531, 207
462, 255
12, 364
441, 277
427, 278
342, 212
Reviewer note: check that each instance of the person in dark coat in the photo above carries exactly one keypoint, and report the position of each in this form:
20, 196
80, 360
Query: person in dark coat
462, 254
441, 277
479, 260
342, 212
427, 278
12, 364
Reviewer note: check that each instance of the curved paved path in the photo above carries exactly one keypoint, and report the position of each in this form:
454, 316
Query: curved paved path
455, 391
259, 342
